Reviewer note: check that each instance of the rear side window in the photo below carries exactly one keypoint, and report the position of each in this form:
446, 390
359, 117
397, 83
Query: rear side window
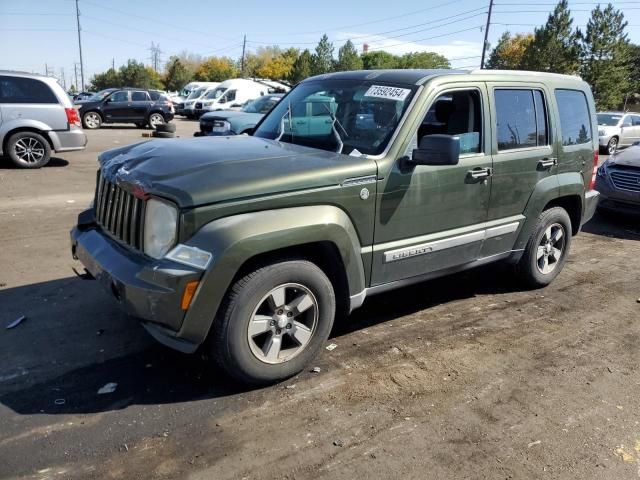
25, 90
139, 96
154, 95
521, 119
575, 121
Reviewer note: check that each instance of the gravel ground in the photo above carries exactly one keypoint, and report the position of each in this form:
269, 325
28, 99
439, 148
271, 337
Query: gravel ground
462, 377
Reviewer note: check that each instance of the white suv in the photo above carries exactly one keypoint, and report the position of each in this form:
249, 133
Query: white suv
36, 118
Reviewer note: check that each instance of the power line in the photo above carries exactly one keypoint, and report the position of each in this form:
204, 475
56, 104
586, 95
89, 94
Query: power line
427, 38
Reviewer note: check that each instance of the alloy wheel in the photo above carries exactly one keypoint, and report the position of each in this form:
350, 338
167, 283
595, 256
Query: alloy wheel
155, 120
29, 150
92, 120
612, 146
283, 323
550, 248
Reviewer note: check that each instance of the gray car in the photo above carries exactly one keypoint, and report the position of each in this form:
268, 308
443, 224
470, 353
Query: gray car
617, 129
618, 182
36, 118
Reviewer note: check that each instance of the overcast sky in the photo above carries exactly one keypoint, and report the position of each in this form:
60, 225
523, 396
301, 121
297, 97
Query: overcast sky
38, 32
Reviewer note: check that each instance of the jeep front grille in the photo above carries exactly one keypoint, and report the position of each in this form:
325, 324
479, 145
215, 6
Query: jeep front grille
626, 180
119, 212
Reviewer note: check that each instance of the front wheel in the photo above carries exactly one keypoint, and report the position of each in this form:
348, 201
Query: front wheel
273, 322
547, 249
92, 120
612, 146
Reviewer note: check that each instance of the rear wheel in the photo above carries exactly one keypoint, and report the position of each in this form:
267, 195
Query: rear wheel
155, 119
273, 322
547, 249
29, 150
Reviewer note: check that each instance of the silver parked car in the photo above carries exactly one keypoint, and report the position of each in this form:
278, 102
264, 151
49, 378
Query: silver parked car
617, 129
36, 118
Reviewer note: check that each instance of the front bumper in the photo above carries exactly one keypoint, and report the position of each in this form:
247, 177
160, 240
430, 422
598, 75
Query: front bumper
612, 198
146, 288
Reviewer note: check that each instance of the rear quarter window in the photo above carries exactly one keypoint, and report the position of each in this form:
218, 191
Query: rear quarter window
25, 90
575, 120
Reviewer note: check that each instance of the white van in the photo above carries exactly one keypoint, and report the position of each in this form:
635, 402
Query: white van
229, 95
187, 108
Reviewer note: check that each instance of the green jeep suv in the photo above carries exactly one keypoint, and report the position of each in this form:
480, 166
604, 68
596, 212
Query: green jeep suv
356, 183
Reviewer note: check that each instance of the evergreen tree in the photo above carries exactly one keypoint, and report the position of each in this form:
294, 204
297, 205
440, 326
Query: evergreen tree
606, 57
555, 46
302, 68
177, 75
323, 58
509, 52
348, 58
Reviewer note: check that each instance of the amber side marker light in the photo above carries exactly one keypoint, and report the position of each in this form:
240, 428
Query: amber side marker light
189, 292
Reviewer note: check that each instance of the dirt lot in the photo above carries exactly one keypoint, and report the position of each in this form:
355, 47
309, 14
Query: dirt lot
464, 377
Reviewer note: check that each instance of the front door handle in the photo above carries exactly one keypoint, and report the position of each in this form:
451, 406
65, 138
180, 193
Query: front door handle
548, 163
479, 173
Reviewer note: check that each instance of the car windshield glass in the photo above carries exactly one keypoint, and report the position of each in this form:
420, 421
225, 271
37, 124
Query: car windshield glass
260, 105
608, 119
215, 93
347, 116
100, 95
196, 93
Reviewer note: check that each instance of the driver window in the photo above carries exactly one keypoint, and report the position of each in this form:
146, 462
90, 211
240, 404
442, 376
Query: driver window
122, 96
627, 121
457, 114
230, 96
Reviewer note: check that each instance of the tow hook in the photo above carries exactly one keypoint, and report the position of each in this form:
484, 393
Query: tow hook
86, 275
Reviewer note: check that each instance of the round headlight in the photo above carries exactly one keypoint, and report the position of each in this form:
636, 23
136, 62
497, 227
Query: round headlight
160, 225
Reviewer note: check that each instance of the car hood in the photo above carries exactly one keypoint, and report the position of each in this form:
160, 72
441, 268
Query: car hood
204, 170
629, 157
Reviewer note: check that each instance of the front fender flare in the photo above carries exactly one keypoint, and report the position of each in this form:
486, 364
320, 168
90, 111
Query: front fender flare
235, 240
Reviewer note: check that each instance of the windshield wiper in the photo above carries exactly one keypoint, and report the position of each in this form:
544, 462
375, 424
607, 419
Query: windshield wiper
335, 121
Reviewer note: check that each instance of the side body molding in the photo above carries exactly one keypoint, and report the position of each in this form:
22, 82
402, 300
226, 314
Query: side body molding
234, 240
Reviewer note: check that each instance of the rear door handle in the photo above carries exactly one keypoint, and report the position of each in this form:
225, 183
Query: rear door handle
480, 173
548, 162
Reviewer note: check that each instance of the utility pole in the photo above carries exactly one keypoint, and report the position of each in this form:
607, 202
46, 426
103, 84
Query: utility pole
75, 70
113, 63
80, 47
244, 46
155, 56
64, 79
486, 34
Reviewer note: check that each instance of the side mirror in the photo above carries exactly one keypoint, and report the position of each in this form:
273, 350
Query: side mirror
437, 150
222, 100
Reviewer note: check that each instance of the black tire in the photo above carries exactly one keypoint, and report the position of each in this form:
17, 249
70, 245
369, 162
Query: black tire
92, 120
166, 127
612, 146
157, 134
28, 150
530, 267
229, 343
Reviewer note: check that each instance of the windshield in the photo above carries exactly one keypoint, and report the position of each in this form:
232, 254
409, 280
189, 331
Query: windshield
196, 93
347, 116
260, 105
608, 119
215, 93
101, 94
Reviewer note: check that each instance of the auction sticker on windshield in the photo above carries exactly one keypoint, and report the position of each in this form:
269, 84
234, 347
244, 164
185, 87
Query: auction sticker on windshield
390, 93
